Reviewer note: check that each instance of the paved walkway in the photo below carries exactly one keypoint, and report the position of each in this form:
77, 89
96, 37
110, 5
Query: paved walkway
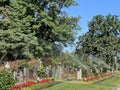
118, 89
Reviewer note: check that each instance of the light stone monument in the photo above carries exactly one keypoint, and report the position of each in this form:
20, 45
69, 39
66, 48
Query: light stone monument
79, 74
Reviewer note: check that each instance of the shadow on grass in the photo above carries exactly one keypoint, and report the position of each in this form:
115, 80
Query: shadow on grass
100, 81
50, 85
110, 85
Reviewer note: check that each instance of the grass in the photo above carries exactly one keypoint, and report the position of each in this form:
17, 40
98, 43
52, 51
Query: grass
79, 85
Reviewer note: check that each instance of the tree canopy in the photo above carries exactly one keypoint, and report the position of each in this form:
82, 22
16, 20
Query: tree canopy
102, 40
31, 28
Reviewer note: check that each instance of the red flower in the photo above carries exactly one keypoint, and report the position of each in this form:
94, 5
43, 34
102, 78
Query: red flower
21, 85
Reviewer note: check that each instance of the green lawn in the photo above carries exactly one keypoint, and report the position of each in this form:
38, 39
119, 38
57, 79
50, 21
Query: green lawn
106, 85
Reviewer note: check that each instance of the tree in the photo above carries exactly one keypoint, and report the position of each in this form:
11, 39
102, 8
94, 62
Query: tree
31, 28
103, 38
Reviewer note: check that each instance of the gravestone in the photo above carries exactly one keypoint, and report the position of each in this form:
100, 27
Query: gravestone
79, 74
26, 73
59, 71
7, 67
15, 75
20, 75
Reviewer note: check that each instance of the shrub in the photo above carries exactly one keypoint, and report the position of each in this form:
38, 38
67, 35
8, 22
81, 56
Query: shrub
6, 80
42, 72
94, 72
104, 70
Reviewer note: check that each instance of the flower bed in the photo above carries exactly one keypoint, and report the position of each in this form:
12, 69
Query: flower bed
64, 76
44, 80
97, 77
27, 84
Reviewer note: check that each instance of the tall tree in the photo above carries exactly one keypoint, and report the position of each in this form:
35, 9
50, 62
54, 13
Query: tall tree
16, 41
30, 28
103, 38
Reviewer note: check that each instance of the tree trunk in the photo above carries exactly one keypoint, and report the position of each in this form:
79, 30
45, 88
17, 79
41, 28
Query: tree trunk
1, 58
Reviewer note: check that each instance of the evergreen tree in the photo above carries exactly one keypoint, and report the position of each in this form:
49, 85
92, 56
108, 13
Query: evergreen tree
30, 28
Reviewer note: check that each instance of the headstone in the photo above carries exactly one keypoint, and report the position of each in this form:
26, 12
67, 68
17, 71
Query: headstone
50, 71
40, 63
47, 70
30, 74
34, 71
79, 74
25, 73
20, 75
7, 66
15, 75
58, 71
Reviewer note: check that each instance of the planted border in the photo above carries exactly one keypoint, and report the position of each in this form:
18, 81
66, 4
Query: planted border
98, 77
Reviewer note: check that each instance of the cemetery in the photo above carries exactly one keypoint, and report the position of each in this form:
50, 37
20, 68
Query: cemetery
59, 45
33, 75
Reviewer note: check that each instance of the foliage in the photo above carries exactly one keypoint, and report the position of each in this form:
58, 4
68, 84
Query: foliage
6, 80
94, 70
102, 40
104, 70
69, 58
55, 61
41, 72
34, 28
23, 64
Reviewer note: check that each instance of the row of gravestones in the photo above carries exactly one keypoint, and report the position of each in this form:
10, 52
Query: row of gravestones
26, 74
22, 74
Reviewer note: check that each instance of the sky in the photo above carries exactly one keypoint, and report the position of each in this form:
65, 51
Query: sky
89, 8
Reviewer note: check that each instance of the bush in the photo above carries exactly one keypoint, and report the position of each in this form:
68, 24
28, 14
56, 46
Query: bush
104, 70
6, 80
41, 72
94, 72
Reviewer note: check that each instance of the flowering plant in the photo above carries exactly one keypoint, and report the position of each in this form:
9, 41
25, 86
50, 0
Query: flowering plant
97, 77
27, 84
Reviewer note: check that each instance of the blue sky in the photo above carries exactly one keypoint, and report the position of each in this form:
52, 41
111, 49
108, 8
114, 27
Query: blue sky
89, 8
